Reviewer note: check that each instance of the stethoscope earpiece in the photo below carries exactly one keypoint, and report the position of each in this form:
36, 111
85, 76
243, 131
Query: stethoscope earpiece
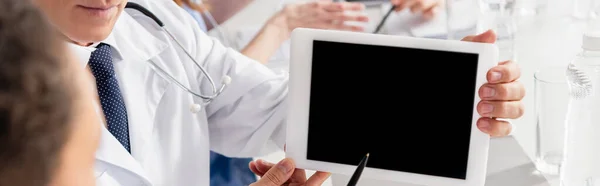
226, 80
195, 108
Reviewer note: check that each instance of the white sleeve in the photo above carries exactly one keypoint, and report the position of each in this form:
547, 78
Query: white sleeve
248, 118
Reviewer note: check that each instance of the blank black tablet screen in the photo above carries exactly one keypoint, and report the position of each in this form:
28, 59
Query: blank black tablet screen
411, 109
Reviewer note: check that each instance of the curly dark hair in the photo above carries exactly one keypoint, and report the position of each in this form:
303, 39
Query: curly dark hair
36, 101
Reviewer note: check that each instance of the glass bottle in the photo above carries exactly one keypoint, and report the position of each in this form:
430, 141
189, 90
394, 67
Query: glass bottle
581, 164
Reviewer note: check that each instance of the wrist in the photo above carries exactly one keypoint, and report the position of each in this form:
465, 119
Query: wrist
279, 22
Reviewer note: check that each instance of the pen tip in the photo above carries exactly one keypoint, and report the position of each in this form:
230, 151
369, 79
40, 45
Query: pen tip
367, 154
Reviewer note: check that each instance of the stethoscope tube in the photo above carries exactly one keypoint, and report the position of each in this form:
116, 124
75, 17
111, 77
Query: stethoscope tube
144, 11
226, 80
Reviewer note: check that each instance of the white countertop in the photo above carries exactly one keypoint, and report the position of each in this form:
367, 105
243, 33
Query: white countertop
508, 165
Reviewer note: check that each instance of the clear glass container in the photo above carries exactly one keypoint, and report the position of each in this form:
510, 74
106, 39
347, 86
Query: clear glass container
498, 15
581, 165
551, 100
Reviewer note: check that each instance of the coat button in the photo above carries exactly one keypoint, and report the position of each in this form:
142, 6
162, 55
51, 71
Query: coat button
195, 108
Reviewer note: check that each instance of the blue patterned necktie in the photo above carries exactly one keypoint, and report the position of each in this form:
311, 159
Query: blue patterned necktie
111, 99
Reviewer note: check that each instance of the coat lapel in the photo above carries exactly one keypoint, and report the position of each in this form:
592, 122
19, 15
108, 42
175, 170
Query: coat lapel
136, 46
112, 152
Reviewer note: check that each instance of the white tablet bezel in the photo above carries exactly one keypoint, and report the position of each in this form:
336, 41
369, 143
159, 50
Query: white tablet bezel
299, 100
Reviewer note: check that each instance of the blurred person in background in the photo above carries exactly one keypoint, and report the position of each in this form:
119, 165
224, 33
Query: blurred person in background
320, 14
427, 8
49, 126
223, 10
317, 14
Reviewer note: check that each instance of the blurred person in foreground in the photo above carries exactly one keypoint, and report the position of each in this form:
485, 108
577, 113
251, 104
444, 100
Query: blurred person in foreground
49, 128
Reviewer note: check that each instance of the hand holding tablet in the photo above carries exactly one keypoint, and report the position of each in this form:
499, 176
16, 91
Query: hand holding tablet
284, 173
502, 94
418, 106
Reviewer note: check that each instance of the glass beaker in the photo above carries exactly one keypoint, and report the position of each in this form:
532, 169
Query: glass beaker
551, 101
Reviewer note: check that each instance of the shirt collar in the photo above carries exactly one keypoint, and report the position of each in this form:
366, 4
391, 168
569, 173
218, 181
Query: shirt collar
129, 40
83, 53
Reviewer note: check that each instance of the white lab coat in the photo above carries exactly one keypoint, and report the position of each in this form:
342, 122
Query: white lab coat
170, 144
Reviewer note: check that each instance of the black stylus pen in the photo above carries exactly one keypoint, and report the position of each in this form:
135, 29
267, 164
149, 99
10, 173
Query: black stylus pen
358, 171
385, 17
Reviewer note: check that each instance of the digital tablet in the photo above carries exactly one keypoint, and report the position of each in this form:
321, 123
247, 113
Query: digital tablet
408, 102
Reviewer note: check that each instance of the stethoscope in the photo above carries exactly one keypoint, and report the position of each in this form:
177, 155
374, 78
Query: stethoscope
226, 80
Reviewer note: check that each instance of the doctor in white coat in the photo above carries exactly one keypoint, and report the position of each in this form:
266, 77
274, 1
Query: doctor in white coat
152, 137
